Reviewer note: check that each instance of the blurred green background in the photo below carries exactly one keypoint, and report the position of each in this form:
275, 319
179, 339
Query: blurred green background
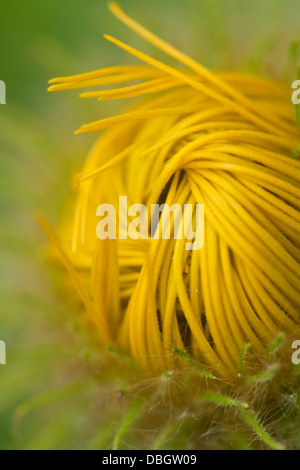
39, 156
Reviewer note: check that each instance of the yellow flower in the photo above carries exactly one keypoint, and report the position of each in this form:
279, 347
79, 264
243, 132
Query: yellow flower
224, 140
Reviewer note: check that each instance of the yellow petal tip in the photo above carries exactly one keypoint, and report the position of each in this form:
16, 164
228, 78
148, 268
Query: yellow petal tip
114, 6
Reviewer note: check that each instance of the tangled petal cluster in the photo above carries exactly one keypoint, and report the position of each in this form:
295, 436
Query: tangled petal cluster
225, 140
